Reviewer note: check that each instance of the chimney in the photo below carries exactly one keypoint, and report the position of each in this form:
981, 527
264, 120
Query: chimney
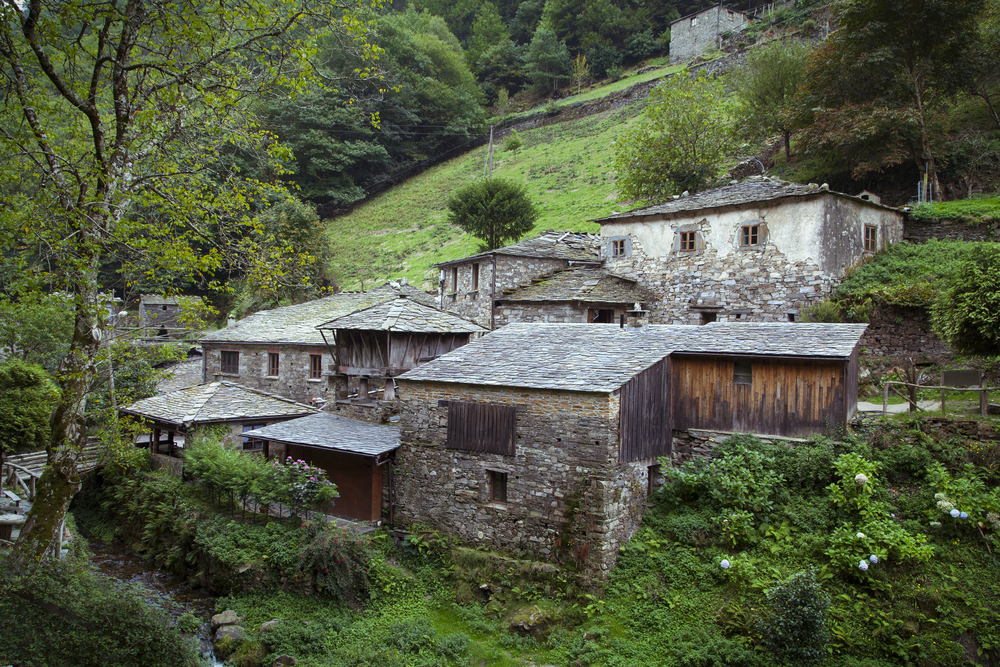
637, 317
231, 322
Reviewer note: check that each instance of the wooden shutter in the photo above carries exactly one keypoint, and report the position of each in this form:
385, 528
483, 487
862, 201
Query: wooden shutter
645, 427
482, 427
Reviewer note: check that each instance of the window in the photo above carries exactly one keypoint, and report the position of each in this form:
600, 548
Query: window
791, 317
694, 21
230, 362
750, 235
742, 373
498, 486
475, 277
252, 444
454, 279
707, 318
655, 479
481, 427
272, 364
871, 238
618, 248
687, 241
315, 366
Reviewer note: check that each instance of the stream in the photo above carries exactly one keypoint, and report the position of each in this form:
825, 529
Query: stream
122, 564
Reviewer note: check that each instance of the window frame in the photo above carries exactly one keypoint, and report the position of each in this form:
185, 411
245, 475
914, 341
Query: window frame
618, 248
689, 241
249, 428
750, 235
315, 366
454, 279
273, 364
743, 372
233, 365
475, 277
871, 231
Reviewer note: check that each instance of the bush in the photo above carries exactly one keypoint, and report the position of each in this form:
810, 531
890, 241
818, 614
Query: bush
697, 647
641, 45
602, 58
795, 627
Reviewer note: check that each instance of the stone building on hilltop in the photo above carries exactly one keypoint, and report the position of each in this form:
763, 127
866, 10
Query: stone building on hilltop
698, 33
759, 250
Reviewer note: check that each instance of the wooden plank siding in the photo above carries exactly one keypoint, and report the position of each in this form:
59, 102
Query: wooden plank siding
408, 350
645, 430
358, 480
391, 353
785, 397
851, 397
482, 427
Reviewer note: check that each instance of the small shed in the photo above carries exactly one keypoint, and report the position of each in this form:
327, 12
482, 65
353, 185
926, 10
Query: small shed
159, 312
356, 456
172, 416
575, 294
380, 342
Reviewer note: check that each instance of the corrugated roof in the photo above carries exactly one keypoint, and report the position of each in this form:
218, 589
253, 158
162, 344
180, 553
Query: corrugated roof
602, 357
751, 190
330, 431
403, 314
577, 284
297, 324
215, 402
551, 244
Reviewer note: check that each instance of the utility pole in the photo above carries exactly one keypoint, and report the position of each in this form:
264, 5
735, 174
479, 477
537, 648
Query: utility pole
489, 156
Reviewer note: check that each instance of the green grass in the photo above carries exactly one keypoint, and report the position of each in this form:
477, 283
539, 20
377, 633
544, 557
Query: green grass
984, 210
404, 231
629, 79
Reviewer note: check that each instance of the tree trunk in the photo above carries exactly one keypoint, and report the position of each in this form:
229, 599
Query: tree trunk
61, 478
788, 150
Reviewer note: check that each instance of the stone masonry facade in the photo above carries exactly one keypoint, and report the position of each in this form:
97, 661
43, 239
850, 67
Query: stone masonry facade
474, 304
292, 380
903, 331
517, 311
568, 499
693, 35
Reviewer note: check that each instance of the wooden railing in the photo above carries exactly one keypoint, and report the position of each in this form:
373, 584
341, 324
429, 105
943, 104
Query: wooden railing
984, 395
19, 473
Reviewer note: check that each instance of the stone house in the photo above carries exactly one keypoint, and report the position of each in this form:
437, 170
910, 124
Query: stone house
576, 294
281, 351
159, 312
695, 34
546, 438
171, 417
759, 250
373, 345
353, 453
470, 286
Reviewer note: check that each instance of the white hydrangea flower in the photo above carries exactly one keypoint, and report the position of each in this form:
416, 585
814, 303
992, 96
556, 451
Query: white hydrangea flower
935, 524
940, 496
861, 536
861, 479
725, 564
945, 506
863, 566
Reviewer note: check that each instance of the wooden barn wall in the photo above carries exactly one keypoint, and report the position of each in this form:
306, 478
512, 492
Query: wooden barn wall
408, 350
362, 349
358, 480
853, 368
790, 398
645, 427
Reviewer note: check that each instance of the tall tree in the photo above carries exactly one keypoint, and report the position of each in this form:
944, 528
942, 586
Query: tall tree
766, 86
115, 112
895, 61
681, 143
548, 60
487, 30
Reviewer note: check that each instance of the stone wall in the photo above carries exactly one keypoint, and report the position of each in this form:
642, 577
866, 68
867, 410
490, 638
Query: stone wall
805, 247
568, 499
903, 331
918, 231
694, 35
512, 272
521, 311
693, 443
292, 380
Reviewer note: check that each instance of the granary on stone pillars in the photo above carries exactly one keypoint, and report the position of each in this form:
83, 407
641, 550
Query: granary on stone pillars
759, 250
470, 286
373, 345
175, 416
281, 351
355, 455
571, 295
547, 438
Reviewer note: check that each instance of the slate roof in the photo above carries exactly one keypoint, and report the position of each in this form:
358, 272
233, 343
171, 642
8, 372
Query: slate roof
297, 324
577, 284
330, 431
403, 314
551, 244
602, 357
751, 190
215, 402
157, 300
